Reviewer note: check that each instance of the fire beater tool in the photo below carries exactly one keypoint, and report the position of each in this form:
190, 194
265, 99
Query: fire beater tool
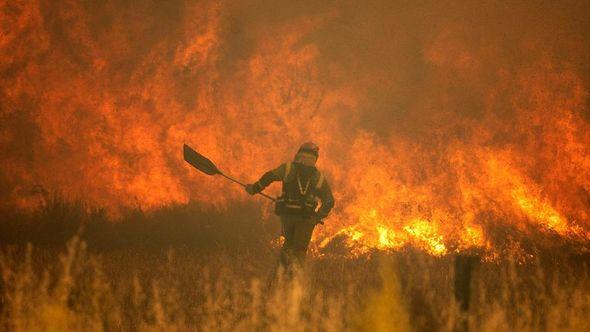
206, 166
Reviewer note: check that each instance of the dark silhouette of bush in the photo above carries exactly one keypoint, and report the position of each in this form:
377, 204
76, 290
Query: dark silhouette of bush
191, 226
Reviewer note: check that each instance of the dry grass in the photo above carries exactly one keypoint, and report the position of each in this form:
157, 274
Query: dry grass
150, 275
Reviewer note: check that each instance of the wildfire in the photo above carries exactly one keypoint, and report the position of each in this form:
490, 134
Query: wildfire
540, 212
440, 135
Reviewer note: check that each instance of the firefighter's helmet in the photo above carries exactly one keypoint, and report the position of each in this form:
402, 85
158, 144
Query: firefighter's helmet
307, 154
310, 147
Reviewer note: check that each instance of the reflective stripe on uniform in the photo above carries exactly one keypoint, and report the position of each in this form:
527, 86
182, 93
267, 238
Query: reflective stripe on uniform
287, 172
318, 186
296, 206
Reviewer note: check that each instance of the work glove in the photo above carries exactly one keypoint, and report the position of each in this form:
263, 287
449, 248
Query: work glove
251, 189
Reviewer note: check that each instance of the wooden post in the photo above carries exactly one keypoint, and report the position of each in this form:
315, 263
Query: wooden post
463, 268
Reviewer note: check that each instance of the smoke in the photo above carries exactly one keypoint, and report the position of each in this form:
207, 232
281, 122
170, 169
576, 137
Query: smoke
436, 121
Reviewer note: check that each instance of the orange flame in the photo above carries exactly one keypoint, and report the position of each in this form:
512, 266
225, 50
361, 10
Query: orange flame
436, 134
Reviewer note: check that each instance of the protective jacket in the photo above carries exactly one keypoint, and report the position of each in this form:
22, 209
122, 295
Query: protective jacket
301, 183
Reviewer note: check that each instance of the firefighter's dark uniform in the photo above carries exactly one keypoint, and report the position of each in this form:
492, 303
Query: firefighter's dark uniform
302, 185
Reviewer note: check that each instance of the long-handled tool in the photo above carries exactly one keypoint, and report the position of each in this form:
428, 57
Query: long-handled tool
206, 166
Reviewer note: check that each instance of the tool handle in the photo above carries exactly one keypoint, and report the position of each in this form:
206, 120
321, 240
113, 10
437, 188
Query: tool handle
244, 185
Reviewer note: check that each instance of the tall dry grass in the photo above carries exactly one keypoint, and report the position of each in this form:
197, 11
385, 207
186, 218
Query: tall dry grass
187, 269
75, 292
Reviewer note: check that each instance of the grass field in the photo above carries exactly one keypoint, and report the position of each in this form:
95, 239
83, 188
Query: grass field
185, 268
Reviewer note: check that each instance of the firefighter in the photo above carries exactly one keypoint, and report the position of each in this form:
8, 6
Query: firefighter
305, 201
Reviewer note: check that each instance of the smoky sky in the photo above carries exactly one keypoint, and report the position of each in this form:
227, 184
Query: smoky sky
383, 45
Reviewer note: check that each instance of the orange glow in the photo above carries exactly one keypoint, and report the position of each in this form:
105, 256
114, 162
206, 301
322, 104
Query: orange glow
444, 136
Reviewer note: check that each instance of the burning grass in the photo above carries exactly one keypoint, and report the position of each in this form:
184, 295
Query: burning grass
444, 128
182, 268
436, 121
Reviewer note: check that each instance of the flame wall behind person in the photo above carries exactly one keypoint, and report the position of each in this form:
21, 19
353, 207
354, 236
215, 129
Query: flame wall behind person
442, 126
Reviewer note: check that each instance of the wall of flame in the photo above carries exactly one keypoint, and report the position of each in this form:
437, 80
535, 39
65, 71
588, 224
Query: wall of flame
446, 126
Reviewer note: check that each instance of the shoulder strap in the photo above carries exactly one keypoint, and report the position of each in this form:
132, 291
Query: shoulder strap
287, 172
320, 182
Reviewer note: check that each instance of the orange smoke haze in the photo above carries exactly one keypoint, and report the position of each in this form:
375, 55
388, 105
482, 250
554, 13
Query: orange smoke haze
446, 126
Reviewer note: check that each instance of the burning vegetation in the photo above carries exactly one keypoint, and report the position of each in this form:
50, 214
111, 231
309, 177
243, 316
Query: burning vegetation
444, 128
